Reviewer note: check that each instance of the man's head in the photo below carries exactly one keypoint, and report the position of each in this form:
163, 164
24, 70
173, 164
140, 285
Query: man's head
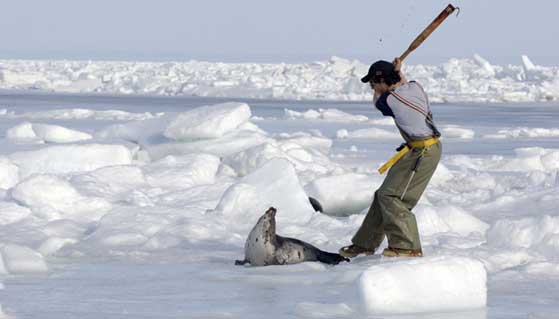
382, 75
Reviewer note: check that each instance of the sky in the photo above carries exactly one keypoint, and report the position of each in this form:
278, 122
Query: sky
276, 31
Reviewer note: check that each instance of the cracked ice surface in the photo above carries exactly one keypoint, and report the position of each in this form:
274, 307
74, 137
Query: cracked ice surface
134, 220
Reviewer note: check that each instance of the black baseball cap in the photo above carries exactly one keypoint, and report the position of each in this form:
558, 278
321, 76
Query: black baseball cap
379, 70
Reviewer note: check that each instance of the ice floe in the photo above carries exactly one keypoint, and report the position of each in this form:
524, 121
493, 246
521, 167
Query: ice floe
274, 184
537, 233
11, 212
133, 192
9, 173
51, 197
205, 122
454, 131
524, 132
71, 158
110, 182
356, 195
367, 133
325, 114
433, 284
306, 154
457, 80
448, 219
22, 259
45, 133
182, 171
80, 114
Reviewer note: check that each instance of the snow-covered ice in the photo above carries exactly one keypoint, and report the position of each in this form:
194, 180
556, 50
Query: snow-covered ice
453, 131
457, 80
432, 284
325, 114
540, 234
70, 158
11, 212
80, 114
525, 132
211, 121
367, 133
9, 173
355, 197
45, 133
182, 171
274, 184
448, 219
153, 208
21, 259
51, 197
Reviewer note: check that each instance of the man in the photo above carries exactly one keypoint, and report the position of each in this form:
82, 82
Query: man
410, 170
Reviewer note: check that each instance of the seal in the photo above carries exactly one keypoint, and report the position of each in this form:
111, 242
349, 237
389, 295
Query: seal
263, 247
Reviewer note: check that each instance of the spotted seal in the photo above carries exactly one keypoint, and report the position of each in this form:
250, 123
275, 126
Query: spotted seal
263, 247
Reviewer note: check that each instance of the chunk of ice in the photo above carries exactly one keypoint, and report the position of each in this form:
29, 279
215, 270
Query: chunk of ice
52, 197
343, 195
274, 184
210, 121
11, 212
9, 173
59, 134
431, 284
22, 259
62, 159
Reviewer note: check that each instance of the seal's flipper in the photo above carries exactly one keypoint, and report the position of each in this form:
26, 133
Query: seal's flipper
330, 258
316, 204
241, 262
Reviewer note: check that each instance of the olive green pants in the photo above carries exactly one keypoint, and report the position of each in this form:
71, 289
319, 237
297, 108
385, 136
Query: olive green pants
391, 216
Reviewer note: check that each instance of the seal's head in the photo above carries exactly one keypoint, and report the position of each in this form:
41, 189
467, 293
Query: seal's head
268, 222
270, 216
271, 212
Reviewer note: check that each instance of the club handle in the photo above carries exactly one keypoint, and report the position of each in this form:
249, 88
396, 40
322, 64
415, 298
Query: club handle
430, 28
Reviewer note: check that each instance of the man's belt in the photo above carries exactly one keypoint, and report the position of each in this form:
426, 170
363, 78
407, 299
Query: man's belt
407, 147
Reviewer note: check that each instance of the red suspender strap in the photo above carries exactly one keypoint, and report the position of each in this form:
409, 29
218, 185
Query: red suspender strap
408, 103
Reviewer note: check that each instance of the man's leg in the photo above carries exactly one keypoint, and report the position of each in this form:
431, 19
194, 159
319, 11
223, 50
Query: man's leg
399, 222
380, 219
371, 232
391, 216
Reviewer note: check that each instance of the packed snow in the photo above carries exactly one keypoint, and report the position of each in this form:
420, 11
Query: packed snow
458, 80
153, 210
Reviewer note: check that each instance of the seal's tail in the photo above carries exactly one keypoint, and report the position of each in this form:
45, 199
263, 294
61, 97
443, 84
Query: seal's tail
330, 258
241, 262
